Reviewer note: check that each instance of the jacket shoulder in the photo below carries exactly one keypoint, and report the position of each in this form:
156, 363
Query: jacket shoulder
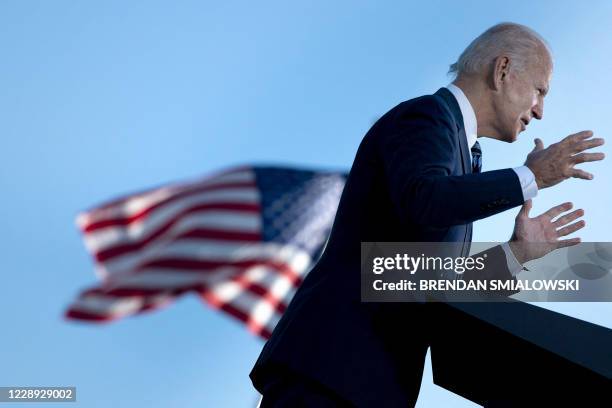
414, 115
428, 105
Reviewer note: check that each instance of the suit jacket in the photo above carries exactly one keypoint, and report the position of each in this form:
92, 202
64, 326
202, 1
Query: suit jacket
411, 180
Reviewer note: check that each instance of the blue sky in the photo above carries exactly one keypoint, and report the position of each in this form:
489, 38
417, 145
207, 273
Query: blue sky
103, 99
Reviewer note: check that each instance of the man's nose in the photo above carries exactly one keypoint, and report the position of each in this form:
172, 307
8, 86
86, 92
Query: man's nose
538, 111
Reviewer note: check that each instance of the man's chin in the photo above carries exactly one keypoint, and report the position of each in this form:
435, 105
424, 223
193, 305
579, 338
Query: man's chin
502, 137
511, 137
507, 138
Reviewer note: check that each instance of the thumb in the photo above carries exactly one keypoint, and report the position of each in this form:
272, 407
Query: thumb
526, 208
539, 145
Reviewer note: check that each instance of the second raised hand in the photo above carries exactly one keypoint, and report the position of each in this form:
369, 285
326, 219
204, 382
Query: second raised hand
535, 237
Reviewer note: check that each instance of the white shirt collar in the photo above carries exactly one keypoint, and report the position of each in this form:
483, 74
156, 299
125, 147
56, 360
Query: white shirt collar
469, 116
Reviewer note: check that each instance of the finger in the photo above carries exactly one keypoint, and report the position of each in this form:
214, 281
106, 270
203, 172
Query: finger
526, 208
577, 173
577, 137
571, 228
587, 157
587, 144
567, 242
539, 145
561, 208
566, 219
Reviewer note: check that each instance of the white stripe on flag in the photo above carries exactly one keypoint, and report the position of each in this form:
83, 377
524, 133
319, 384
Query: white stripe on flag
277, 284
108, 305
259, 309
134, 204
211, 250
171, 279
107, 238
115, 307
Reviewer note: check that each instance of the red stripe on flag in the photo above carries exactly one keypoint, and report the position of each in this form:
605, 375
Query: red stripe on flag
239, 314
126, 292
223, 235
118, 250
206, 292
210, 266
91, 317
176, 186
74, 313
113, 288
122, 221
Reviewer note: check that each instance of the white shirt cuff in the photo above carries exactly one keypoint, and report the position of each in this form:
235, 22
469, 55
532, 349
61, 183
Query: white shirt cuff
528, 182
514, 266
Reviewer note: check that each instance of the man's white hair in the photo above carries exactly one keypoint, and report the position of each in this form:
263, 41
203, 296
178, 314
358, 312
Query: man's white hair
520, 43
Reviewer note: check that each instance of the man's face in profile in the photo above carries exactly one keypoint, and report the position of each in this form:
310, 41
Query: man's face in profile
522, 97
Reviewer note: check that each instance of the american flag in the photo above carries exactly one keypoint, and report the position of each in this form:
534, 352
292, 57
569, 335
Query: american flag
242, 240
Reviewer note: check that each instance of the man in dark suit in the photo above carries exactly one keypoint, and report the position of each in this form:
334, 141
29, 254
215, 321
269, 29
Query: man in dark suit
416, 177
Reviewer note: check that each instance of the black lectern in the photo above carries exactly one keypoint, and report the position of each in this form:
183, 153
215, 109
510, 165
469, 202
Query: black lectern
509, 354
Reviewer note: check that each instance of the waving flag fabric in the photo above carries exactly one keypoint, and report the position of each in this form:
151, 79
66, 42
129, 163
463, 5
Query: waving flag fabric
242, 239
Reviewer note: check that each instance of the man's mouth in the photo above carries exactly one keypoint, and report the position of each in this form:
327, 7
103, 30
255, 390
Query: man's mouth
524, 122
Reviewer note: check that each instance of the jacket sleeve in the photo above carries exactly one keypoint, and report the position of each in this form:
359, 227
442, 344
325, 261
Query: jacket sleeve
495, 269
419, 149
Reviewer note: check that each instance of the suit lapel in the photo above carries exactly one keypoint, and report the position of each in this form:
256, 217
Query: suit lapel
466, 154
453, 107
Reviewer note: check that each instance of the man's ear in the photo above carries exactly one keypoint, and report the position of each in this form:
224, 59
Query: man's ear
501, 68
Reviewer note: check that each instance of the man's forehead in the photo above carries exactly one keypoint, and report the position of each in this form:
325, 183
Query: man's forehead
546, 66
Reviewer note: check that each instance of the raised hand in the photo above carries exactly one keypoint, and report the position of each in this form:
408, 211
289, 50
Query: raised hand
535, 237
556, 163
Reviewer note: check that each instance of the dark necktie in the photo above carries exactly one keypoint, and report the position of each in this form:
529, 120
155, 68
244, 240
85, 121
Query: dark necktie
476, 158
